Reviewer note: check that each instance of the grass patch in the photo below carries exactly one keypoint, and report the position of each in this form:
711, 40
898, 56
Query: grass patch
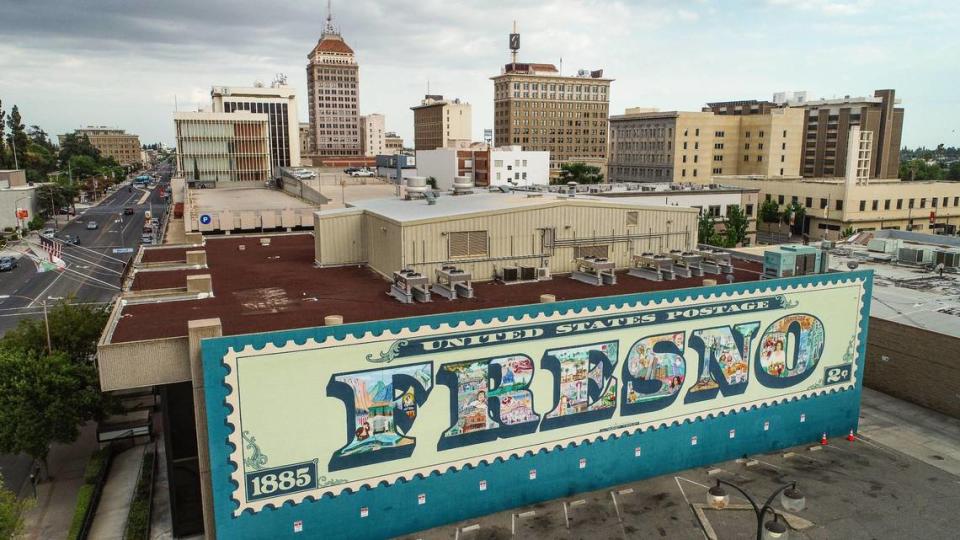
91, 475
138, 519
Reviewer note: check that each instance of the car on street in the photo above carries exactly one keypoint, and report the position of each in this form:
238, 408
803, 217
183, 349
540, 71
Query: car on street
146, 239
71, 239
91, 225
7, 264
363, 172
128, 211
48, 232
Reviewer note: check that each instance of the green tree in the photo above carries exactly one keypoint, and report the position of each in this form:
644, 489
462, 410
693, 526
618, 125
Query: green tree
75, 145
795, 213
736, 225
52, 197
3, 137
12, 509
74, 330
770, 212
953, 173
580, 173
918, 169
706, 231
17, 139
846, 232
44, 400
83, 166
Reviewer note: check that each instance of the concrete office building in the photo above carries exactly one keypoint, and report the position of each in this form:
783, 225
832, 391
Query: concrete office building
279, 103
859, 202
485, 166
827, 123
217, 148
392, 143
539, 108
372, 135
439, 122
333, 92
306, 139
647, 145
112, 142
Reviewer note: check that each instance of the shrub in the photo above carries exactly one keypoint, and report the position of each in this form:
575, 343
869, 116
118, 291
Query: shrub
138, 518
95, 466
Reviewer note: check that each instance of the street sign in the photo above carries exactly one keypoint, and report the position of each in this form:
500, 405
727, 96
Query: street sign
205, 219
117, 251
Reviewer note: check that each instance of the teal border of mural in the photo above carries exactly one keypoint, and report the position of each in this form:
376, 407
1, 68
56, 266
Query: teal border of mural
394, 509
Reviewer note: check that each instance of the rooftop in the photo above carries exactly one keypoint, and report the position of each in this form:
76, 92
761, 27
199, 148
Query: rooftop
276, 287
408, 211
332, 43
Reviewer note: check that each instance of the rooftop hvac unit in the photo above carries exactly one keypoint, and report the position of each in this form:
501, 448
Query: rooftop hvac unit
883, 245
913, 256
949, 259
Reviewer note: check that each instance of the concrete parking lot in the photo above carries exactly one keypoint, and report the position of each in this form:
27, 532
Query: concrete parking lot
854, 489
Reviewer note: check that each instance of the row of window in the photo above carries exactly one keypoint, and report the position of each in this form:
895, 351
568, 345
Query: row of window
554, 87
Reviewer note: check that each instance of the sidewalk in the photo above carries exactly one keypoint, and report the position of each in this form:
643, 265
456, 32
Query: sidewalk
920, 433
111, 517
56, 500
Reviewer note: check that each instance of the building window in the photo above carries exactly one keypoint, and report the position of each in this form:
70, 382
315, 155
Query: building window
468, 244
956, 201
823, 204
875, 206
498, 163
713, 211
923, 202
746, 159
863, 205
759, 159
633, 218
910, 205
808, 202
749, 210
780, 199
696, 132
886, 204
600, 251
899, 204
933, 202
839, 205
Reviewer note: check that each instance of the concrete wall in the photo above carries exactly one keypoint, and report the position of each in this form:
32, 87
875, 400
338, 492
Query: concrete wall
10, 200
915, 365
138, 364
529, 168
440, 163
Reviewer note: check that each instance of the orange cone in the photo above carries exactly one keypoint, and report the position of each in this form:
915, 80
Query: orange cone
851, 437
823, 439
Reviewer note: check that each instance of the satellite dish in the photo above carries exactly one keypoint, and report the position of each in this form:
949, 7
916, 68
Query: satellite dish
852, 265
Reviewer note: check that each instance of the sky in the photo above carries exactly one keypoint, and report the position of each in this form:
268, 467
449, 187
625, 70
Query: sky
126, 63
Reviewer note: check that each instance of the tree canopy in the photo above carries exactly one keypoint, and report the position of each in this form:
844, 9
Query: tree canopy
580, 173
45, 396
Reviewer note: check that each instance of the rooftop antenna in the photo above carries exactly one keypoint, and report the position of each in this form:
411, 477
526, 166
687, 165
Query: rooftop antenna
514, 43
328, 28
561, 66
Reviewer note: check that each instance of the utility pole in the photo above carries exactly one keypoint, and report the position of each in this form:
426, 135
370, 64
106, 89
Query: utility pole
46, 323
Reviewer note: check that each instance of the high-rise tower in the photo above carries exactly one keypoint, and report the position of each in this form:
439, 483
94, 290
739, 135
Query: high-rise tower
333, 84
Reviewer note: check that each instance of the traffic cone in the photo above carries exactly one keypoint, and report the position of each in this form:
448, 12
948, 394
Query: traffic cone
851, 437
823, 439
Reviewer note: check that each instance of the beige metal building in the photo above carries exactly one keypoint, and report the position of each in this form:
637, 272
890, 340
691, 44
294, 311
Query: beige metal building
537, 107
439, 123
484, 232
333, 95
111, 142
220, 148
652, 146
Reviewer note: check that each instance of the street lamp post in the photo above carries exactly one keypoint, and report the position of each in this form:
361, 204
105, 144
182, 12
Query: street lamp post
16, 206
790, 498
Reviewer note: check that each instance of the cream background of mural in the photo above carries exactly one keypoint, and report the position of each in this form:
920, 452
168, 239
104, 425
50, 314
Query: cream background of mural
280, 397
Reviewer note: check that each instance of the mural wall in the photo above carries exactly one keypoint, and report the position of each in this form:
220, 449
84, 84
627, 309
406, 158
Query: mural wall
305, 420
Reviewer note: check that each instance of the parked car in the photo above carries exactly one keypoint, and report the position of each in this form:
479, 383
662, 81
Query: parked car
128, 211
48, 232
68, 210
146, 239
351, 170
91, 225
7, 264
363, 172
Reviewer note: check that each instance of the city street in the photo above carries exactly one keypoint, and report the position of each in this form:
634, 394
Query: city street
92, 272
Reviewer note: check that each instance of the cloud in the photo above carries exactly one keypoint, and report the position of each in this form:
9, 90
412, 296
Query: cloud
69, 63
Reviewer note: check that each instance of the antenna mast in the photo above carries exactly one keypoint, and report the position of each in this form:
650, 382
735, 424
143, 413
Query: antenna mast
328, 28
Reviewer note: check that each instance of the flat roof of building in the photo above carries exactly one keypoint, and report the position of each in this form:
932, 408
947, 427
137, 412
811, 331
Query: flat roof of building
277, 287
240, 198
408, 211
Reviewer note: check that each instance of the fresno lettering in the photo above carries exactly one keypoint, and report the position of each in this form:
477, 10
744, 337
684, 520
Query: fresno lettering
490, 396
